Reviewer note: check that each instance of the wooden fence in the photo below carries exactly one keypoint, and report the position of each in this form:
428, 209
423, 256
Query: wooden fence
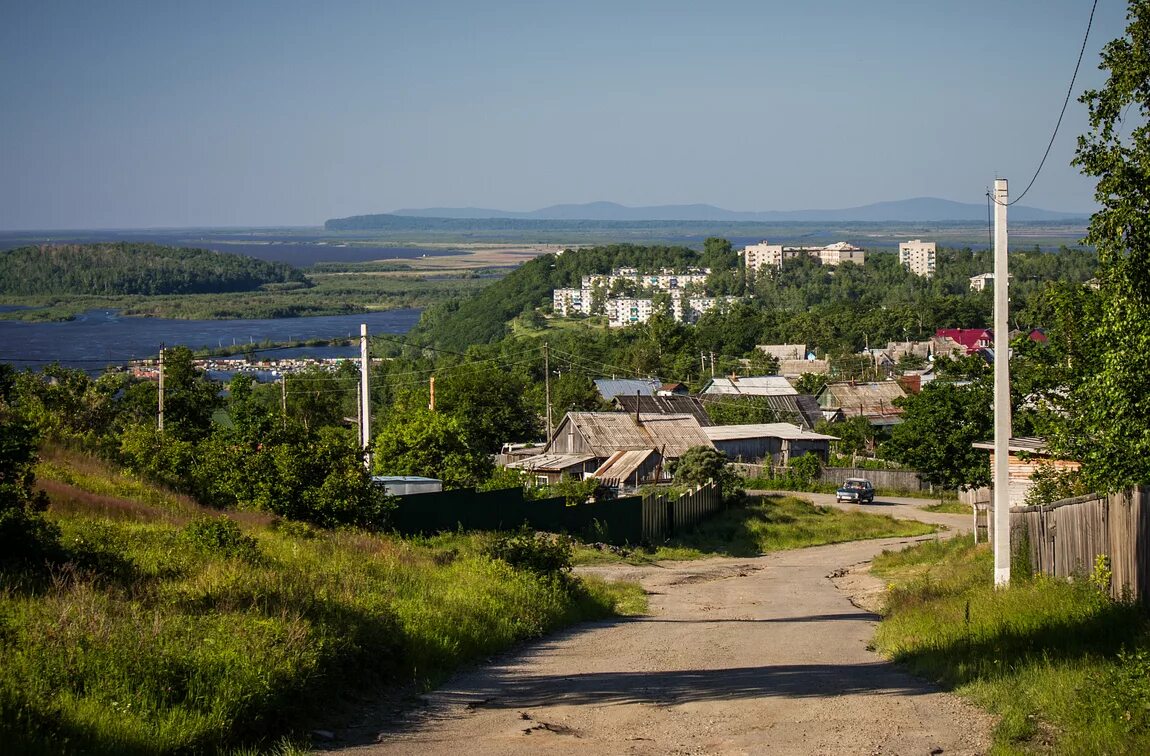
664, 517
898, 480
1065, 538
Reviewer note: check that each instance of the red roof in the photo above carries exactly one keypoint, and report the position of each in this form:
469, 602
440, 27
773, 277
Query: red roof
971, 338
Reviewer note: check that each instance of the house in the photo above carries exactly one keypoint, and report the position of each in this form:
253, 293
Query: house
1026, 456
964, 340
405, 485
603, 433
673, 389
773, 391
874, 401
785, 351
609, 388
773, 443
549, 469
663, 405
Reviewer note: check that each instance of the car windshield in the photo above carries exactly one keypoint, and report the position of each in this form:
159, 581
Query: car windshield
856, 485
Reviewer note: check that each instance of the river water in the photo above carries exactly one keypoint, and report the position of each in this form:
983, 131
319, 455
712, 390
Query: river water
99, 338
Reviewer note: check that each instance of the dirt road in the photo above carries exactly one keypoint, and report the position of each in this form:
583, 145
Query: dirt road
761, 655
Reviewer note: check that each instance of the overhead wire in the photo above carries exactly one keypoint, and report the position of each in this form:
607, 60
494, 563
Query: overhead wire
1065, 102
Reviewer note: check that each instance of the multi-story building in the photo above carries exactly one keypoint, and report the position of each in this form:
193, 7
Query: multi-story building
664, 280
625, 311
979, 282
918, 257
760, 256
568, 302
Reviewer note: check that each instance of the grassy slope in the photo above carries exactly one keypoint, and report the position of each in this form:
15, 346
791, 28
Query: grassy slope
153, 641
771, 523
1065, 668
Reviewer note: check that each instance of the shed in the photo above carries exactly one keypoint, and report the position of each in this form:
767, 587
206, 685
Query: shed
549, 469
776, 442
632, 468
1026, 456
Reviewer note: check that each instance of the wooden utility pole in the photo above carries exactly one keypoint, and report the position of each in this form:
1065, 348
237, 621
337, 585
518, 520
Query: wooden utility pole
1002, 423
431, 389
160, 401
547, 385
283, 397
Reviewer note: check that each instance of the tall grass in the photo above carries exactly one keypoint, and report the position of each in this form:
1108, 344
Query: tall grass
160, 637
1061, 664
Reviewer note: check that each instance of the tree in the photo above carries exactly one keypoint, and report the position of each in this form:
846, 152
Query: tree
190, 397
701, 464
939, 426
1109, 397
24, 534
421, 442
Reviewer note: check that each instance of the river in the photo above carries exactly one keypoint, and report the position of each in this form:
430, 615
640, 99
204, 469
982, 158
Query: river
99, 338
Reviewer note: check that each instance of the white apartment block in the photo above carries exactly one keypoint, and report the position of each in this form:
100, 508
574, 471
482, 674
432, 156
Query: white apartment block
763, 255
664, 280
625, 311
918, 257
568, 302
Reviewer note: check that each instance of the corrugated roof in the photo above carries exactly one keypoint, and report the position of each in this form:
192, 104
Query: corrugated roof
609, 388
867, 399
609, 432
764, 430
756, 385
622, 465
551, 462
1020, 444
664, 405
800, 409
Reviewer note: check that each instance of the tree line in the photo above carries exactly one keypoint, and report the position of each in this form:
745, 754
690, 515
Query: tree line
120, 268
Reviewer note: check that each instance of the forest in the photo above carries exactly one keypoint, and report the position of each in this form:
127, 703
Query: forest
130, 268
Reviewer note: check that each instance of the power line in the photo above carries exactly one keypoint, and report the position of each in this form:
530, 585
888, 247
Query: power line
1069, 91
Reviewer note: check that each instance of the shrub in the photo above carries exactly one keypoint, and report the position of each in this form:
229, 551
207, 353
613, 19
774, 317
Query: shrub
545, 554
221, 536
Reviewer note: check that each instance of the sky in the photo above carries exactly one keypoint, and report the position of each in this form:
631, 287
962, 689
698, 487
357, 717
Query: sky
157, 113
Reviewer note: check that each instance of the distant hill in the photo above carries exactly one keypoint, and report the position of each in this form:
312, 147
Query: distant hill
918, 209
130, 268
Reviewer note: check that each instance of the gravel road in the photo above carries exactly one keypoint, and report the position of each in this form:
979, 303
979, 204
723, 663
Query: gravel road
737, 656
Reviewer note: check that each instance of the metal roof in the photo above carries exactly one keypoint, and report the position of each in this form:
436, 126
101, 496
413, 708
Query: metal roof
664, 405
1021, 444
756, 385
867, 399
550, 462
622, 465
764, 430
800, 409
609, 432
403, 479
609, 388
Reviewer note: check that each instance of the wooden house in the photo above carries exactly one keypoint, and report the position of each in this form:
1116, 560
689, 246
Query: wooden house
768, 443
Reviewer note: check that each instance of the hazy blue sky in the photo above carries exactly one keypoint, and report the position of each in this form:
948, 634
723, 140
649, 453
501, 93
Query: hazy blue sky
160, 113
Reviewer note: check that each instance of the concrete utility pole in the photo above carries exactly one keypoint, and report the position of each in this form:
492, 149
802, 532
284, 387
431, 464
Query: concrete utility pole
547, 384
1001, 390
283, 397
712, 364
160, 404
364, 397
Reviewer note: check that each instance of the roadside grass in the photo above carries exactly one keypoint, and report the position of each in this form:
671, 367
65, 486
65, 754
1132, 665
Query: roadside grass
177, 631
1064, 667
949, 506
765, 524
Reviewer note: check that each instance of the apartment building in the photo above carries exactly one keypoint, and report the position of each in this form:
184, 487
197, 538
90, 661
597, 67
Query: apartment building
918, 257
664, 280
766, 256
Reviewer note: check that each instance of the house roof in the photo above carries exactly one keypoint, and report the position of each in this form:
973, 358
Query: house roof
623, 464
800, 409
867, 399
1021, 444
609, 432
664, 405
757, 385
609, 388
764, 430
784, 351
551, 462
